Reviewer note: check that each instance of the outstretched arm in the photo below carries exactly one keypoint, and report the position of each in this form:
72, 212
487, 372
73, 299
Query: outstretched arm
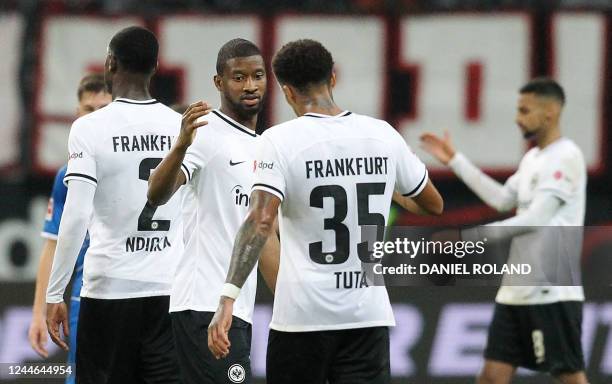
250, 240
499, 196
494, 194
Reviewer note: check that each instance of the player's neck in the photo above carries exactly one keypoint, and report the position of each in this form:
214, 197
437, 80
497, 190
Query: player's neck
249, 122
133, 87
316, 103
550, 137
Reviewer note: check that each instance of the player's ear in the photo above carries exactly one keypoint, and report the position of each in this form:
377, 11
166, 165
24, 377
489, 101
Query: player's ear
111, 62
332, 81
289, 94
218, 82
549, 112
156, 67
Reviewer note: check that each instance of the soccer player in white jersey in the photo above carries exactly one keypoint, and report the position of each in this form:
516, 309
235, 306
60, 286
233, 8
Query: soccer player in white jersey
215, 165
330, 172
125, 333
533, 327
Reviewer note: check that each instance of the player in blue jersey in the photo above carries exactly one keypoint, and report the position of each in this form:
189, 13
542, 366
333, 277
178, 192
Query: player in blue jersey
92, 95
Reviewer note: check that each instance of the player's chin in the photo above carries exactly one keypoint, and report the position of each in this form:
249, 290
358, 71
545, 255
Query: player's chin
250, 107
250, 104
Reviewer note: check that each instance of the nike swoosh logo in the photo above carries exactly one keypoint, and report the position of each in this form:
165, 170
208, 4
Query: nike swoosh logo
236, 163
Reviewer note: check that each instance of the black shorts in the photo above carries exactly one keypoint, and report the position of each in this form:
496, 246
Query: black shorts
125, 341
352, 356
196, 362
543, 337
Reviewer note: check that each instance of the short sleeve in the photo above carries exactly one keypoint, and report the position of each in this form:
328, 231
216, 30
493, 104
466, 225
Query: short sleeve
411, 176
191, 163
268, 168
81, 149
561, 178
199, 153
55, 207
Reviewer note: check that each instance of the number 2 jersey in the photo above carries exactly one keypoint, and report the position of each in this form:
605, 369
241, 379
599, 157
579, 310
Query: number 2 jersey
133, 247
333, 174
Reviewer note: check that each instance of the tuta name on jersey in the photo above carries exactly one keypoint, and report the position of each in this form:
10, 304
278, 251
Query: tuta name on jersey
148, 244
352, 166
142, 143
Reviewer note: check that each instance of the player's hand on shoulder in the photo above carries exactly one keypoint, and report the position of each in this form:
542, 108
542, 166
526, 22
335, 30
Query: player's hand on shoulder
37, 334
439, 147
190, 123
218, 329
57, 314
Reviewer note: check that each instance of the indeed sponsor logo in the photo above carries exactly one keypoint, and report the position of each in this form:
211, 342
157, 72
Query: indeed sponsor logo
76, 155
240, 198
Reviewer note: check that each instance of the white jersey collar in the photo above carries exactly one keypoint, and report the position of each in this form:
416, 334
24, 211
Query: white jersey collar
560, 140
139, 102
233, 122
320, 115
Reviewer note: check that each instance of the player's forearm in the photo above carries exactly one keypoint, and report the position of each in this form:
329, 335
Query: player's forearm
489, 190
42, 277
248, 245
75, 220
408, 204
428, 201
167, 177
270, 260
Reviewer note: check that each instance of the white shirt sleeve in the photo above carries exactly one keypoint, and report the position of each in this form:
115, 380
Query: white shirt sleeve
411, 173
75, 220
199, 153
82, 156
501, 197
541, 210
269, 169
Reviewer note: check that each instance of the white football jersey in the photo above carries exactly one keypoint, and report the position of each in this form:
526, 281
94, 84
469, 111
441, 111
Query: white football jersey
133, 247
219, 171
334, 174
558, 169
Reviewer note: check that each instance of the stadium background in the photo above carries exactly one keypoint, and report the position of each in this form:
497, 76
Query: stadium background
422, 65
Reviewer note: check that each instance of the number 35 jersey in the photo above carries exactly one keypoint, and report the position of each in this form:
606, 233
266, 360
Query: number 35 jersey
134, 247
334, 174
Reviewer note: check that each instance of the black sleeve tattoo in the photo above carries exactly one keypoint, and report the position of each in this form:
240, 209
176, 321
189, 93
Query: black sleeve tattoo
247, 248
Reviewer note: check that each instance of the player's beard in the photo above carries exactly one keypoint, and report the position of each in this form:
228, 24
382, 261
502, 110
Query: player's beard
245, 113
528, 135
531, 134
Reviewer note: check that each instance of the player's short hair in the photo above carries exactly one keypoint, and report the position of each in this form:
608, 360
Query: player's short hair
303, 63
136, 49
545, 87
235, 48
93, 82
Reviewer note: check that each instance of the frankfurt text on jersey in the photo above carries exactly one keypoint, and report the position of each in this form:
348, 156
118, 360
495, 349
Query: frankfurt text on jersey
352, 166
142, 143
